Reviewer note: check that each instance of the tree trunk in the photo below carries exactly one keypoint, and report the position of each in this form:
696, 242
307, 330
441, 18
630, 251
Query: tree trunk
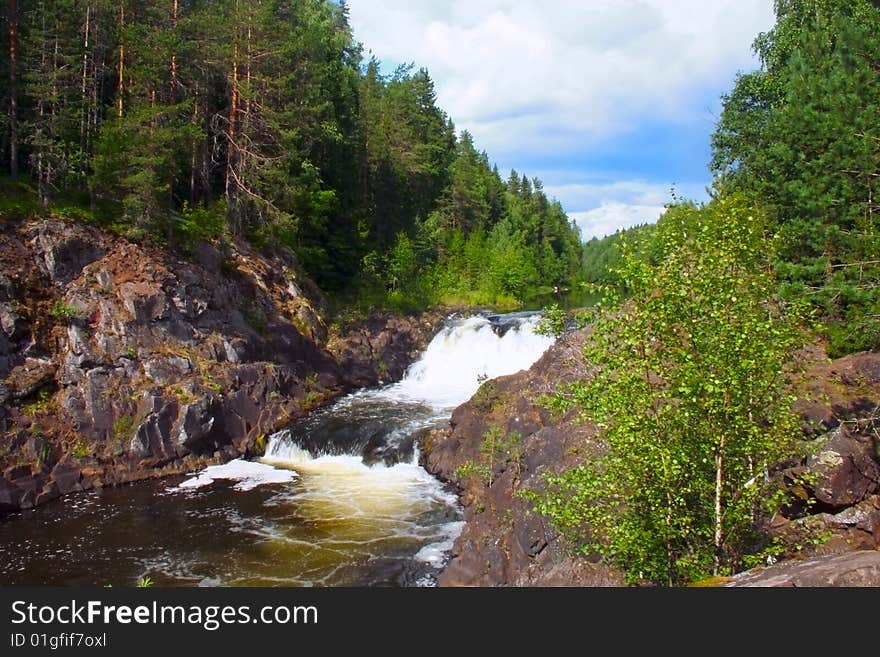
232, 135
719, 488
120, 99
175, 14
85, 117
12, 18
194, 149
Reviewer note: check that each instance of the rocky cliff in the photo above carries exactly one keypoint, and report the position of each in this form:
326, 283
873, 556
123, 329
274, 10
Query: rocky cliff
834, 494
121, 361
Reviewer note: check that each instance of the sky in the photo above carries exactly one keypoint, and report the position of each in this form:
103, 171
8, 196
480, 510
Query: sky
611, 103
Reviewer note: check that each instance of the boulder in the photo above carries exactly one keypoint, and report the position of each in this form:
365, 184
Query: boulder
67, 477
859, 370
145, 302
10, 496
62, 250
844, 471
17, 472
195, 423
12, 324
153, 435
167, 370
29, 378
854, 569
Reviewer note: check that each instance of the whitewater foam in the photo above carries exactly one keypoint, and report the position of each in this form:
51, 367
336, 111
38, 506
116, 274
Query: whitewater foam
248, 474
465, 353
436, 554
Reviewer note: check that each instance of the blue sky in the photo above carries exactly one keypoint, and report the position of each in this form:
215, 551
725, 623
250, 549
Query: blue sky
610, 102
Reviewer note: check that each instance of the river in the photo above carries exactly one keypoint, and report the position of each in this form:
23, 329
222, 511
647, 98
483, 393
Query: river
339, 498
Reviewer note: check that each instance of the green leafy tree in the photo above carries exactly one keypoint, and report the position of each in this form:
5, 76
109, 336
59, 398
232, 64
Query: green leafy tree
690, 395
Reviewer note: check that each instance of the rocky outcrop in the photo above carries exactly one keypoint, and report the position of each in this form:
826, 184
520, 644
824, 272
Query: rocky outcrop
121, 361
854, 569
844, 469
379, 349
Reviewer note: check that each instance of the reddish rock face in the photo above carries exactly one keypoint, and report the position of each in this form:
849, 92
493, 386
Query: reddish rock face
129, 362
845, 469
503, 542
854, 569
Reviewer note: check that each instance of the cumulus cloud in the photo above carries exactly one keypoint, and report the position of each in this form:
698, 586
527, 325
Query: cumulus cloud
611, 217
538, 81
632, 192
543, 71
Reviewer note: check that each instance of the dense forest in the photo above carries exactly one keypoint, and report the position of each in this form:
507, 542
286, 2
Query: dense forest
801, 135
180, 120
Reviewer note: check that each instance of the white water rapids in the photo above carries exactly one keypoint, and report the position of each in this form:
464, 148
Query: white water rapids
391, 504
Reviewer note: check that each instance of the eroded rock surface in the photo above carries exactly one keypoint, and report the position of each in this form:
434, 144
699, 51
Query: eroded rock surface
121, 361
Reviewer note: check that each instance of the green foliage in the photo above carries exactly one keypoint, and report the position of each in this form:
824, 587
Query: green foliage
145, 582
200, 223
800, 135
43, 456
497, 450
63, 311
486, 396
17, 199
472, 469
601, 258
38, 405
262, 121
123, 427
81, 450
689, 395
553, 323
183, 396
133, 164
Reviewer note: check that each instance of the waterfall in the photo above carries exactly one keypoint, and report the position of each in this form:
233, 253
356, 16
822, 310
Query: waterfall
466, 352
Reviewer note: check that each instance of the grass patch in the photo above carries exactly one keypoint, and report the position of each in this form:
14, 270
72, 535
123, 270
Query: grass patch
38, 405
123, 427
64, 312
81, 450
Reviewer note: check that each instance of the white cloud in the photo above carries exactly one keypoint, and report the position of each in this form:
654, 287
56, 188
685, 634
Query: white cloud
547, 81
559, 74
588, 195
611, 217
